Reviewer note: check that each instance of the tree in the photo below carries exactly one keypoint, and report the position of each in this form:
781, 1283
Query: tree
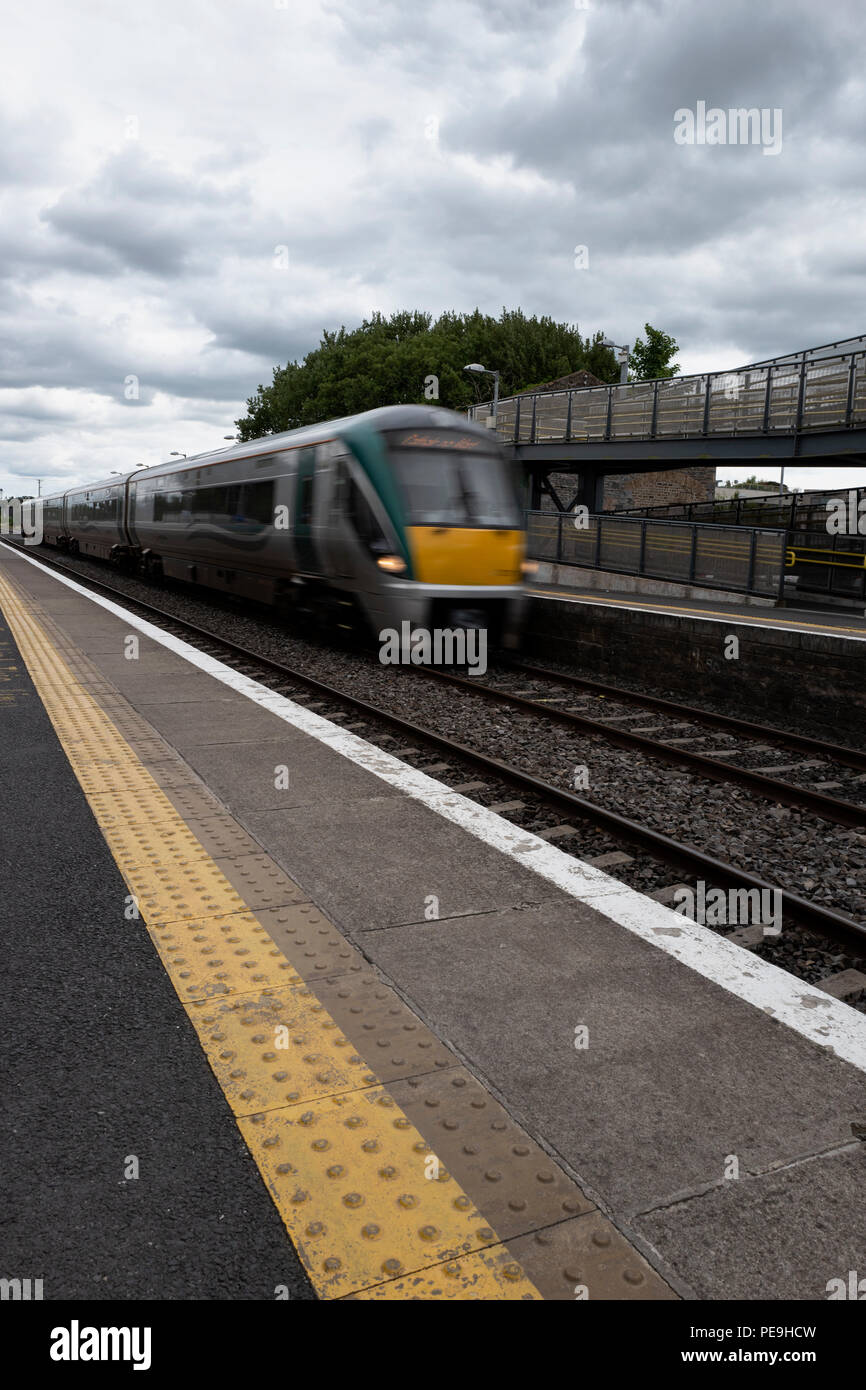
651, 359
768, 484
407, 358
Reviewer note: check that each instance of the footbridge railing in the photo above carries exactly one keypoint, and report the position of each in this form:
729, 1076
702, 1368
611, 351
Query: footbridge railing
820, 389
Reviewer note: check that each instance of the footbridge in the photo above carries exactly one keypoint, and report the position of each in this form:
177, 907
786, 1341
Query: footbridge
806, 405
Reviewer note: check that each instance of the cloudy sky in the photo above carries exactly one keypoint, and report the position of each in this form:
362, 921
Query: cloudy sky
192, 191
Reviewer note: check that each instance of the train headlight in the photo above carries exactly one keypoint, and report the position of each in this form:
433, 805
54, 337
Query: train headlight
529, 567
391, 564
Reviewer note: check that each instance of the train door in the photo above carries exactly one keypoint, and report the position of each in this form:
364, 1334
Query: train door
305, 548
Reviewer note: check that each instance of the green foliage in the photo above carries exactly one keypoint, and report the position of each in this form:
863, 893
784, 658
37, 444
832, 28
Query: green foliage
387, 360
651, 359
769, 484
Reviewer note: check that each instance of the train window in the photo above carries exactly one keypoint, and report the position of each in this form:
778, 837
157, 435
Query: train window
361, 515
305, 501
338, 488
445, 484
103, 507
258, 502
167, 506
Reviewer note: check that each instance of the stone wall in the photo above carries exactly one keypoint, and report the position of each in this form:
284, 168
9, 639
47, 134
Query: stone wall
778, 676
657, 489
697, 484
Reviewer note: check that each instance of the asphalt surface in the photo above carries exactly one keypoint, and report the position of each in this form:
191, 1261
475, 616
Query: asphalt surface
100, 1063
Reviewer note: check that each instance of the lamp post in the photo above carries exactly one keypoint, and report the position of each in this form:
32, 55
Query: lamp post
175, 454
623, 352
487, 371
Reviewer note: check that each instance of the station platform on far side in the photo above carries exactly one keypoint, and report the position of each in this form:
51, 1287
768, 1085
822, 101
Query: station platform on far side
289, 1012
842, 623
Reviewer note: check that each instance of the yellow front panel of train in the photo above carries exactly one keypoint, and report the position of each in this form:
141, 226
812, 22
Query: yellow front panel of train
457, 555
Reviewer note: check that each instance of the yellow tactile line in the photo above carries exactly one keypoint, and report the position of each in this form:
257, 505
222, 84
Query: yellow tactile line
343, 1163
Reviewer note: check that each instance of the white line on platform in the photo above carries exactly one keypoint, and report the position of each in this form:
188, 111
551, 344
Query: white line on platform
778, 624
809, 1011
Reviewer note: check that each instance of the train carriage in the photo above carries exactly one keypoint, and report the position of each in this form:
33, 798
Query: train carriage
407, 513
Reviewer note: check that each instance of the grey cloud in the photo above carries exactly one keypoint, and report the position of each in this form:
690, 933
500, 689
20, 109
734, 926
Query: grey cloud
173, 243
144, 215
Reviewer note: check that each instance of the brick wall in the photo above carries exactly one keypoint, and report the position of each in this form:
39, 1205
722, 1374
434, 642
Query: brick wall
643, 489
655, 489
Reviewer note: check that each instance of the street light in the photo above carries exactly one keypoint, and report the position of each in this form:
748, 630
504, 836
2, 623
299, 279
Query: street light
487, 371
622, 349
175, 454
233, 437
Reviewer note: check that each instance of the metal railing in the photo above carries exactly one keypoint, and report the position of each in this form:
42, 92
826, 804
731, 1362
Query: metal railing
807, 392
823, 562
792, 510
744, 560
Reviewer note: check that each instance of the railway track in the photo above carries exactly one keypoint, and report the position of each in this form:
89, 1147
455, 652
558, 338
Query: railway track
827, 922
803, 798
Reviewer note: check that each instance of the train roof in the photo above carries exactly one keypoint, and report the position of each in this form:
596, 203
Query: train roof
383, 417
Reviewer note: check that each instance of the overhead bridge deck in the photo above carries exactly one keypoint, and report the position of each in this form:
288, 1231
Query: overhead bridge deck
809, 405
245, 1055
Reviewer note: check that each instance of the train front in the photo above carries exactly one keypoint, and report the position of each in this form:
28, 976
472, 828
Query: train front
464, 532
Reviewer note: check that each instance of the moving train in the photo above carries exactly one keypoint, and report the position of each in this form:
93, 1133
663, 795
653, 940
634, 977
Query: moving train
401, 514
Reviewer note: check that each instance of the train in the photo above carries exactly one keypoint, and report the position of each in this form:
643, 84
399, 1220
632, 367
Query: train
404, 514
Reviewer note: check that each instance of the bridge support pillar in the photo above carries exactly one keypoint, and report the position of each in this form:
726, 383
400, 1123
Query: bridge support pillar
566, 493
591, 491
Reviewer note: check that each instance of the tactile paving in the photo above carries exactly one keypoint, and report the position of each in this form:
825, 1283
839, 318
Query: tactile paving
466, 1278
504, 1171
278, 1048
389, 1034
348, 1176
259, 881
216, 831
587, 1258
310, 942
221, 955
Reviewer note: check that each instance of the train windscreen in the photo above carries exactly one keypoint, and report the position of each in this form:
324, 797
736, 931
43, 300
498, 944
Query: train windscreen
451, 478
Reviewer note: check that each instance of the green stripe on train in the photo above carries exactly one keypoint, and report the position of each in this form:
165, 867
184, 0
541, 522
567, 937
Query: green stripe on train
368, 447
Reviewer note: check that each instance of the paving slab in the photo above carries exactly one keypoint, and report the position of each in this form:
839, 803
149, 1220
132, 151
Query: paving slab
212, 720
760, 1236
660, 1095
395, 860
245, 774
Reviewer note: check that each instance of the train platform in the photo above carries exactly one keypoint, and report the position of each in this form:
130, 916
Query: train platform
288, 1014
845, 624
